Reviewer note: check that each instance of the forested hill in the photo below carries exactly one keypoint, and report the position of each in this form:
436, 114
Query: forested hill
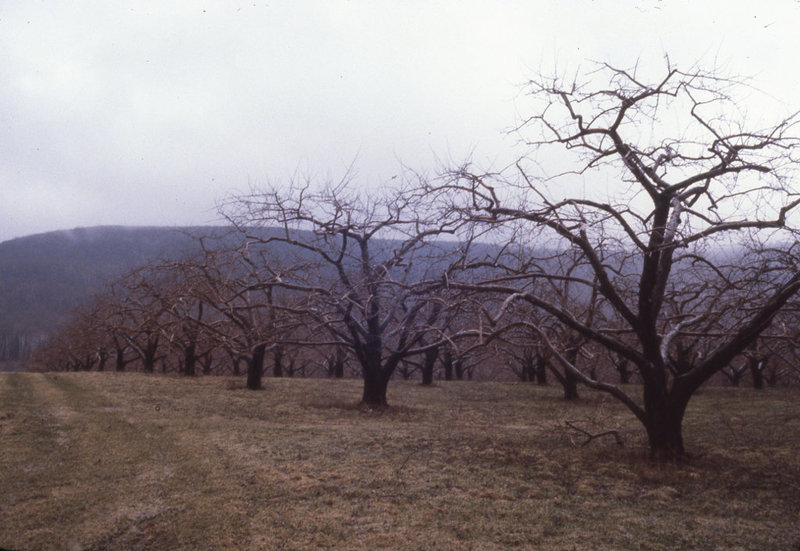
44, 276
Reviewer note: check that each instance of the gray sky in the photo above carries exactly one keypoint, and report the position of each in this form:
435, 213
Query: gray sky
147, 113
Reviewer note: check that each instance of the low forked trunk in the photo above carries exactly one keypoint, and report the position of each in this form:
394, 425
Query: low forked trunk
665, 436
663, 421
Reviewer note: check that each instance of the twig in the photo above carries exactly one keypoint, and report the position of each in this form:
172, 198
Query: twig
590, 436
398, 471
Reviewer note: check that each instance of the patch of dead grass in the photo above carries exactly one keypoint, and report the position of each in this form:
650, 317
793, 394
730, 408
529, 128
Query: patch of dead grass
127, 461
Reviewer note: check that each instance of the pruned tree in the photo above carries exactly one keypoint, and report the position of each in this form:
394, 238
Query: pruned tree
670, 177
139, 315
110, 315
241, 288
373, 271
186, 324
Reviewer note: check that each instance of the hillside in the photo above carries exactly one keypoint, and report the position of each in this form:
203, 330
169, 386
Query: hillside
44, 276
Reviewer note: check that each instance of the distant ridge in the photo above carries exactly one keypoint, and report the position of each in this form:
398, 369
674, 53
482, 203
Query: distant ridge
44, 276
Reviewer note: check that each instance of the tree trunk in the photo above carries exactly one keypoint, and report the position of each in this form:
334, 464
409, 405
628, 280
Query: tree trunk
448, 361
756, 370
375, 386
624, 373
149, 355
119, 355
527, 365
428, 364
149, 361
568, 382
663, 420
207, 361
375, 392
734, 375
570, 386
86, 364
541, 370
335, 363
665, 436
120, 361
147, 366
448, 370
255, 367
772, 377
189, 361
277, 362
458, 367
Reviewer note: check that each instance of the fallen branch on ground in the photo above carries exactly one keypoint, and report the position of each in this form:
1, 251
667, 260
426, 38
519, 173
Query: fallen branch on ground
591, 436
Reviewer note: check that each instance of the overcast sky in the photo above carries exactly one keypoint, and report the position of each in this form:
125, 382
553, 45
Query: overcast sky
149, 113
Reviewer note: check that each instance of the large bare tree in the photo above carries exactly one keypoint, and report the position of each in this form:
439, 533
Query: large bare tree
673, 200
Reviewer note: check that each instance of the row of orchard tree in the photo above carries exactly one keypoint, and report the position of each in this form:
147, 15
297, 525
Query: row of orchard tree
235, 308
215, 314
664, 254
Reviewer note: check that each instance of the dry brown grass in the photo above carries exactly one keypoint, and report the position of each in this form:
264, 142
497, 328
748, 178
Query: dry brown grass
110, 461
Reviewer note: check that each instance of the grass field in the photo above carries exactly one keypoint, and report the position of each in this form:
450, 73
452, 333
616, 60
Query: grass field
127, 461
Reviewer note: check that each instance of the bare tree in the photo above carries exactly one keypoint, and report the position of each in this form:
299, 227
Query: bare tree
78, 346
335, 361
671, 181
249, 319
372, 276
139, 313
186, 323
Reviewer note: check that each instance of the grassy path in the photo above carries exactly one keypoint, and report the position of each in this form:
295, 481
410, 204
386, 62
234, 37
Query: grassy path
73, 450
109, 461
